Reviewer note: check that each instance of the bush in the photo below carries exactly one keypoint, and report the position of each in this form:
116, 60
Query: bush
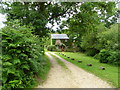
58, 50
51, 48
22, 56
70, 49
108, 39
103, 55
97, 56
107, 56
114, 58
89, 41
91, 52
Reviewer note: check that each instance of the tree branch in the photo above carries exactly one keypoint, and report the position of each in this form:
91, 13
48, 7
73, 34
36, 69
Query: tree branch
60, 14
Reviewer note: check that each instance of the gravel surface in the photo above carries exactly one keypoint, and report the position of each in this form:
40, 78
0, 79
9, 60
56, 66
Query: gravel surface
73, 77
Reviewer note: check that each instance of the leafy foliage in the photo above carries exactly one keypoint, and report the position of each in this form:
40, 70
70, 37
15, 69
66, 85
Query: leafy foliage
63, 45
51, 48
109, 38
88, 24
107, 56
105, 41
94, 28
38, 14
22, 56
103, 56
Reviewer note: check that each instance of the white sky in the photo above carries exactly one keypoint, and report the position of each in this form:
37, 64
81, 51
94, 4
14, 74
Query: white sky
2, 19
55, 25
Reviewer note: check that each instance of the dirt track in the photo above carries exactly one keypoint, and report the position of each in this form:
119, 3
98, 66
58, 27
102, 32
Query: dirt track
73, 77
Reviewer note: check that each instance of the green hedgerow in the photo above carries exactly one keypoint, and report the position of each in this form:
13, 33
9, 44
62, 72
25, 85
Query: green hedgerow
21, 59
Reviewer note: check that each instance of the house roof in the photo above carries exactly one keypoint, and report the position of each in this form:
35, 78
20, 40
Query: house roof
59, 36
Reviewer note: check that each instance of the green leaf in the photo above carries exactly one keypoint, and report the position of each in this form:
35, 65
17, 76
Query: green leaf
18, 51
8, 38
6, 57
4, 79
12, 71
25, 67
16, 61
4, 41
15, 81
7, 64
12, 45
24, 55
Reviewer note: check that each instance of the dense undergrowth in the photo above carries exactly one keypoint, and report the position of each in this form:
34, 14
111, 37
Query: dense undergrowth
22, 56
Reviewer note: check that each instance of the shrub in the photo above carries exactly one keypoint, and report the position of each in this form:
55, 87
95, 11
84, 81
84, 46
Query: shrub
70, 49
51, 48
89, 41
97, 56
107, 56
91, 52
58, 50
108, 39
22, 56
103, 55
114, 58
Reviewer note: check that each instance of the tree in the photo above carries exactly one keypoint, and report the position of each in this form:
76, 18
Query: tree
90, 15
38, 14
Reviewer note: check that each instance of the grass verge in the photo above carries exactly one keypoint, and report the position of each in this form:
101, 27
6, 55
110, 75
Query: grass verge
47, 65
42, 75
110, 74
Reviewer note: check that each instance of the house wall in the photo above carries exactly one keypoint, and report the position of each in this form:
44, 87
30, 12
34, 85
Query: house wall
62, 40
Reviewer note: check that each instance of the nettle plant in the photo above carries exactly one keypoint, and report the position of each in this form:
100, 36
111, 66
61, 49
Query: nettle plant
22, 56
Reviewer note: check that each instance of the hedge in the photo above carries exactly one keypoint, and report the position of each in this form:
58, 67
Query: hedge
22, 56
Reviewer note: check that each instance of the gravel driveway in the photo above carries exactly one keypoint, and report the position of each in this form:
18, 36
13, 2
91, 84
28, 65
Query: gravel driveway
73, 77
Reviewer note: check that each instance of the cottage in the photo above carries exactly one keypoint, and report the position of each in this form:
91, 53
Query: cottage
59, 39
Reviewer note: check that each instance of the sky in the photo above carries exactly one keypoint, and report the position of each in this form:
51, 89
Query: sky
56, 25
2, 19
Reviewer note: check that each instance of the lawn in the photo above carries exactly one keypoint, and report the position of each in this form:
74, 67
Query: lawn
110, 74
